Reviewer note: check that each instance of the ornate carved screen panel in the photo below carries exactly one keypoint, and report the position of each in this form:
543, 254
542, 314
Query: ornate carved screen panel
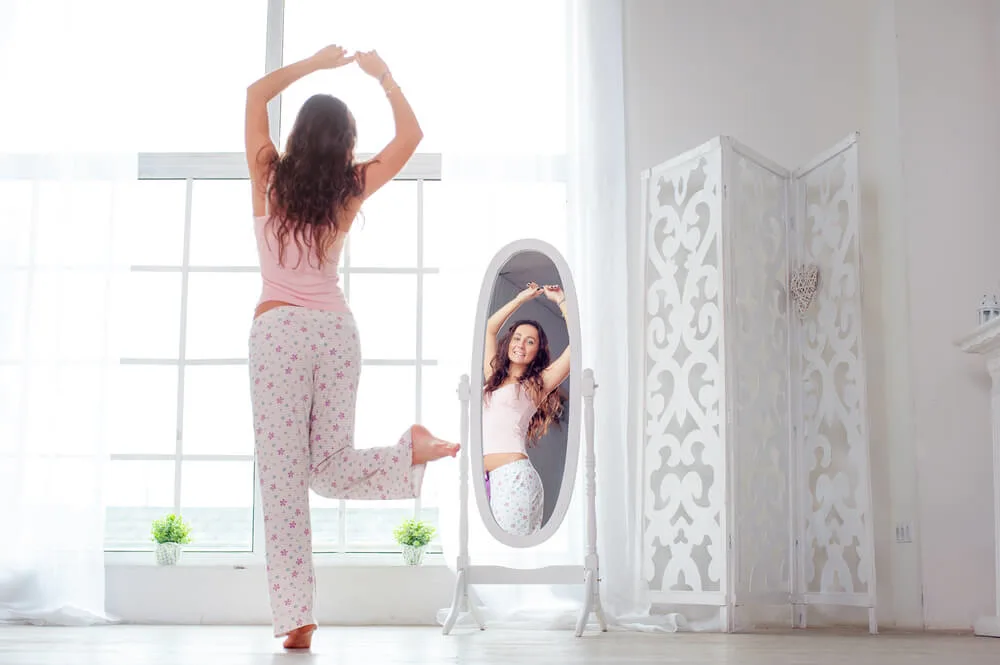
757, 334
833, 435
683, 472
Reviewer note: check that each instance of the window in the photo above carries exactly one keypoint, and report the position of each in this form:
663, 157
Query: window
184, 384
411, 269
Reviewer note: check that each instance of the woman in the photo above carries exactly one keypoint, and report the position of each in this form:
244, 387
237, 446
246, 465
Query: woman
520, 400
305, 356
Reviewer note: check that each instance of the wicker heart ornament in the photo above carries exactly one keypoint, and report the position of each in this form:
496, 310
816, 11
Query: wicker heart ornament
804, 286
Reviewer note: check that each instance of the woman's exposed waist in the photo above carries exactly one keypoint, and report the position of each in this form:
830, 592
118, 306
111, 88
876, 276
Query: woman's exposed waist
328, 299
493, 461
301, 315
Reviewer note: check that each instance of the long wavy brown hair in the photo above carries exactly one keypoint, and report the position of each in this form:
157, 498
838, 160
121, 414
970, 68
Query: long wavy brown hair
550, 408
316, 180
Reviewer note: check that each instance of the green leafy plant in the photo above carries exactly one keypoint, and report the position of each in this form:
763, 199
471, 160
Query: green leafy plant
171, 529
414, 533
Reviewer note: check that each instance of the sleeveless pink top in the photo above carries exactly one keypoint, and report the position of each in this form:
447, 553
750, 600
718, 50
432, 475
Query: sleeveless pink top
299, 281
506, 415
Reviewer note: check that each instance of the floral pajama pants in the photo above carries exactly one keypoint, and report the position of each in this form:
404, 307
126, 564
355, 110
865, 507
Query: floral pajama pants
304, 370
517, 497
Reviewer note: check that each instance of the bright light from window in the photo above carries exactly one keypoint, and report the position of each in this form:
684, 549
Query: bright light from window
467, 68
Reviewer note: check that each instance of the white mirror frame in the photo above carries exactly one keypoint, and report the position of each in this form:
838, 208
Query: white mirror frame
574, 394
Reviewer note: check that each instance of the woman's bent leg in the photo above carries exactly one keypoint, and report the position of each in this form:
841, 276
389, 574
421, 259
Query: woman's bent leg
339, 469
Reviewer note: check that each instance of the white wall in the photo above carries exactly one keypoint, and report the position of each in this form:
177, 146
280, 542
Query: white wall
791, 78
949, 110
345, 594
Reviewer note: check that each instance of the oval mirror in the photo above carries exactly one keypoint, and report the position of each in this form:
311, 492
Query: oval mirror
525, 414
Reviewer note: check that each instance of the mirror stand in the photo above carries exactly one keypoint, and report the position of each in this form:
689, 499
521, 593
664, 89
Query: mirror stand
588, 574
592, 580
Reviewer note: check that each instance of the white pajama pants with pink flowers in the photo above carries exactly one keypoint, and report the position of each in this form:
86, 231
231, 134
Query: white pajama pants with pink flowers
304, 370
517, 497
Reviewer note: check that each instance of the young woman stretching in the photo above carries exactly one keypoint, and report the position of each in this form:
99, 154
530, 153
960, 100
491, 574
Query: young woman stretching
305, 354
520, 400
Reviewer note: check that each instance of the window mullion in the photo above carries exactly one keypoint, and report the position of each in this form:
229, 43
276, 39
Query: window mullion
272, 60
418, 407
182, 345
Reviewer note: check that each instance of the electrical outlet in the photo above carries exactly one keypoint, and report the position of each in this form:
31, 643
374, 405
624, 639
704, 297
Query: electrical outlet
904, 532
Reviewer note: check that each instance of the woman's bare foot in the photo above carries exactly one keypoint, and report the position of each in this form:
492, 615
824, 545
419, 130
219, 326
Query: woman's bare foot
427, 449
300, 638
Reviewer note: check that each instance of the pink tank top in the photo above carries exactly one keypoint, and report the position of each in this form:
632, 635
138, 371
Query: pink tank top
506, 415
299, 281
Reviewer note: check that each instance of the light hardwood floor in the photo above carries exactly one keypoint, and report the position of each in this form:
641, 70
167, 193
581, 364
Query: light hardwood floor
252, 645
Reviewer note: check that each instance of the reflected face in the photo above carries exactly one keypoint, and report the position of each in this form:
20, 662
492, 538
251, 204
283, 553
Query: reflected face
523, 345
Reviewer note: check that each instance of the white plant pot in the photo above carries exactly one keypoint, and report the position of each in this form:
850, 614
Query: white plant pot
413, 556
168, 554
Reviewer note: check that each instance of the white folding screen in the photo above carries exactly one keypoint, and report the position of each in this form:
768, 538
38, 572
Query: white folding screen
754, 474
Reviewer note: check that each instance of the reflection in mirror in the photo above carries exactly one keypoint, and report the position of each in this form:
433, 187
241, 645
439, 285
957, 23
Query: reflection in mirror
526, 363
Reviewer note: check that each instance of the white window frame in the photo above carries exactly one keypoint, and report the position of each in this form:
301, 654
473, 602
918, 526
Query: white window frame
191, 167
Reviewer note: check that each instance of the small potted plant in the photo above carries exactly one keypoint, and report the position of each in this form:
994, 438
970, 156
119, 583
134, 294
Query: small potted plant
413, 536
171, 533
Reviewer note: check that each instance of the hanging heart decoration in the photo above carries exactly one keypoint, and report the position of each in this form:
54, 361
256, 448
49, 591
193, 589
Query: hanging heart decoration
803, 287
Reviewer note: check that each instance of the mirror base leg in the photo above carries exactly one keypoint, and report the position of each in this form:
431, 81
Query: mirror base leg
460, 604
591, 603
456, 603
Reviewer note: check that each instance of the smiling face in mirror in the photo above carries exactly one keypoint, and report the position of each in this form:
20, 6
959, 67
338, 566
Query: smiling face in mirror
526, 363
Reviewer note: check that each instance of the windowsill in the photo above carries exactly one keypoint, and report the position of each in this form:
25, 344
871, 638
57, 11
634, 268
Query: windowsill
240, 561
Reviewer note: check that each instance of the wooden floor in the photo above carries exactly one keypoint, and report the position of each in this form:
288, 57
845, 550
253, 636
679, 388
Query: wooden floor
155, 645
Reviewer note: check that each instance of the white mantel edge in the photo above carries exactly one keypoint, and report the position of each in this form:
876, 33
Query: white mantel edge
985, 341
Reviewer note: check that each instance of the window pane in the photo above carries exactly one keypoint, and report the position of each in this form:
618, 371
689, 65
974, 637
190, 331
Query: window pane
386, 405
385, 307
77, 389
217, 501
152, 214
449, 316
222, 232
14, 296
325, 518
441, 415
385, 233
136, 493
370, 523
67, 315
148, 322
440, 406
220, 312
73, 223
190, 77
144, 416
15, 210
11, 389
218, 418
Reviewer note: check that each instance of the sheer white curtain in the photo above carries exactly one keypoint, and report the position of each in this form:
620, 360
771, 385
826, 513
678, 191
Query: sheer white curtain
553, 112
60, 209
